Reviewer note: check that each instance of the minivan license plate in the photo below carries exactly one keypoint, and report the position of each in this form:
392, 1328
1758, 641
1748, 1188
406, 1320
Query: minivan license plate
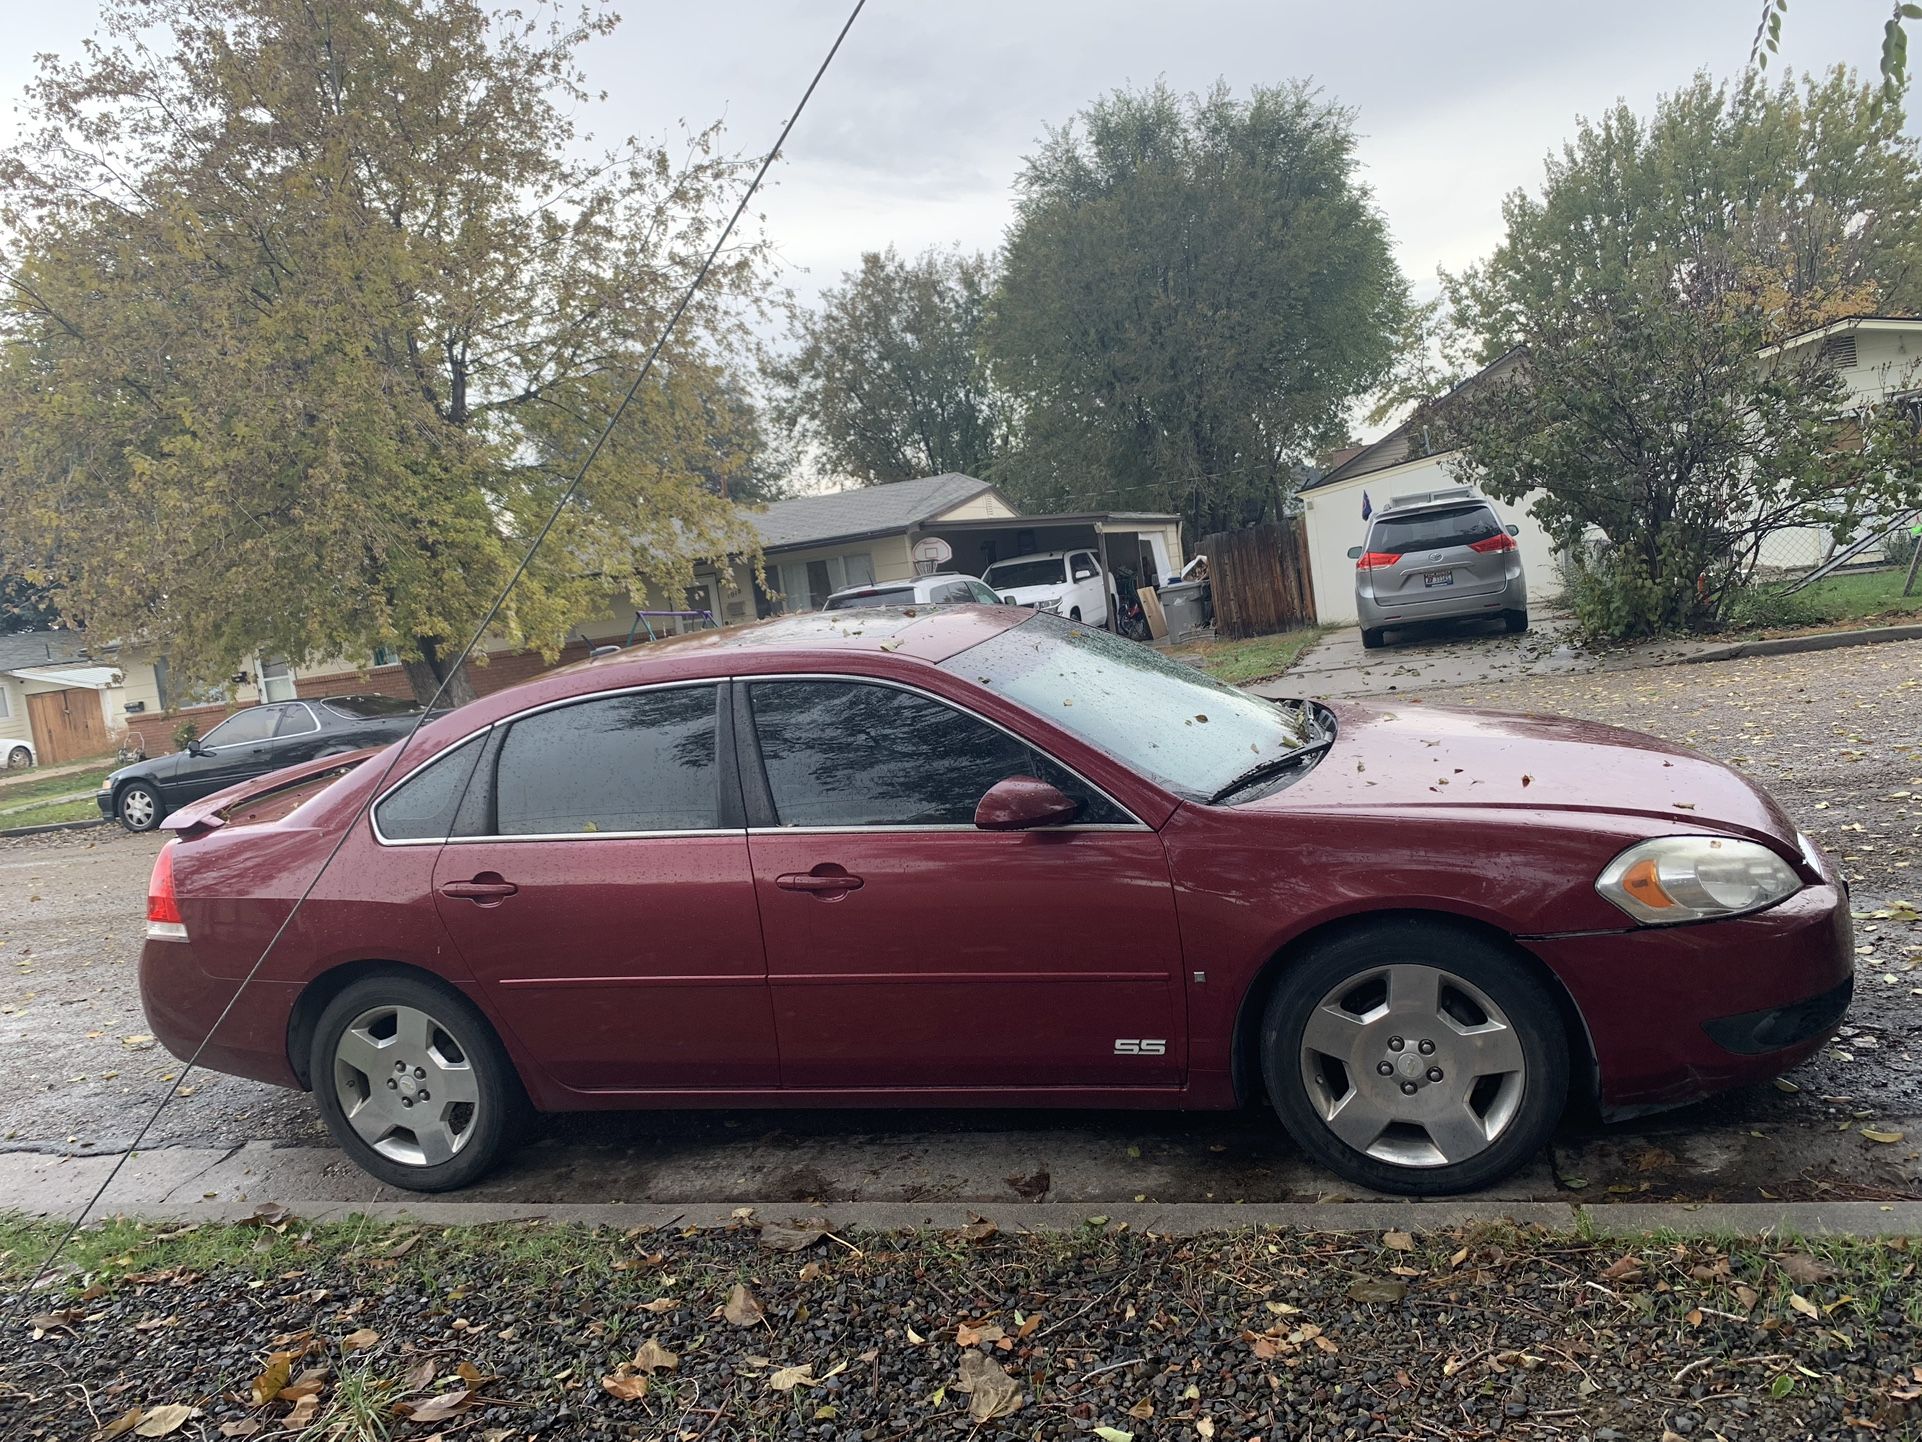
1438, 578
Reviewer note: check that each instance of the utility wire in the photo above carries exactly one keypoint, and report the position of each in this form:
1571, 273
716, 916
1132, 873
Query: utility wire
460, 659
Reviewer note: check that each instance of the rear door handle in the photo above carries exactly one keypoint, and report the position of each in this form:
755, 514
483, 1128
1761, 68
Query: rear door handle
832, 884
481, 889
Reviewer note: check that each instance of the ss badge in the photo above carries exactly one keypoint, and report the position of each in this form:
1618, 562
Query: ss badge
1140, 1046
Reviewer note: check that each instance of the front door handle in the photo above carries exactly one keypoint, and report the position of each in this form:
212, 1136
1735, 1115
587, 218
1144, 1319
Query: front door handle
485, 888
830, 883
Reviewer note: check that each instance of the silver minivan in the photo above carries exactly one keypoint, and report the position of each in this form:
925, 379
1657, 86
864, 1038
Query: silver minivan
1437, 556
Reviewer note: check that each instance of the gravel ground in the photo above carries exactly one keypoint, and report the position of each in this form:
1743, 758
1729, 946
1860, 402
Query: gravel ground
537, 1332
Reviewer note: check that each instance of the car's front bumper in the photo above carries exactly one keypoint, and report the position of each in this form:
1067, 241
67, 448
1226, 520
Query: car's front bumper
105, 800
1677, 1012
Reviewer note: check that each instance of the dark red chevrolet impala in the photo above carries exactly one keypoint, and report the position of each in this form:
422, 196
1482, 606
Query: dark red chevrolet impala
979, 856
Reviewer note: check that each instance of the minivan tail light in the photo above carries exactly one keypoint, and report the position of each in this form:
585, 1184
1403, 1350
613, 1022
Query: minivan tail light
1377, 561
1493, 544
163, 906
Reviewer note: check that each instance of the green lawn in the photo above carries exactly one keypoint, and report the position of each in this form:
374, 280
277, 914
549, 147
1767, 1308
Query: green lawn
84, 810
19, 786
1255, 659
1852, 598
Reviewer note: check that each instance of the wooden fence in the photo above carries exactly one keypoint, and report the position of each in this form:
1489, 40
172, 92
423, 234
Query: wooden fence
1260, 579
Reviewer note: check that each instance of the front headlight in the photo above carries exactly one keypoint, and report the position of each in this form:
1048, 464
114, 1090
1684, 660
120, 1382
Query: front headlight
1054, 605
1694, 878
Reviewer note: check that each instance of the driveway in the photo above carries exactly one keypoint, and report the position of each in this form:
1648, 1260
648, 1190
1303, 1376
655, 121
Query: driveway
1450, 654
1834, 735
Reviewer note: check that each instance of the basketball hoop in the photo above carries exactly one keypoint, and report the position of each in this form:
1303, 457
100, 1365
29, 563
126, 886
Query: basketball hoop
931, 553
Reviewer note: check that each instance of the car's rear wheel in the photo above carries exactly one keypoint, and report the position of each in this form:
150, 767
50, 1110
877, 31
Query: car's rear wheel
1074, 613
1410, 1057
19, 758
1372, 637
1516, 621
139, 806
413, 1083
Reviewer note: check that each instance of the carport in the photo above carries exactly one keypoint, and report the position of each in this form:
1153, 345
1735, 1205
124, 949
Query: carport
1146, 545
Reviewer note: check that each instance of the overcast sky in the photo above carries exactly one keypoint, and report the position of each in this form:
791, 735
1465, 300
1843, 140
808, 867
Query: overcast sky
916, 133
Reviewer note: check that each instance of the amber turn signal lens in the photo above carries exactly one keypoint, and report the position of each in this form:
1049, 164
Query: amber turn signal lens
1643, 882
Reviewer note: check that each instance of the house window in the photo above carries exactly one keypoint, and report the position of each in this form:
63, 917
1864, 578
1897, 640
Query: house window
806, 585
6, 703
276, 679
386, 656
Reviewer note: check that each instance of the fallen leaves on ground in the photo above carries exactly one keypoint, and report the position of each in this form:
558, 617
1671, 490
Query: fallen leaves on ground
164, 1421
992, 1392
793, 1236
742, 1308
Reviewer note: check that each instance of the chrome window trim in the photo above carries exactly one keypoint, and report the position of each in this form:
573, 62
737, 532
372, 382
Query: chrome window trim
310, 716
261, 706
1138, 823
958, 827
373, 811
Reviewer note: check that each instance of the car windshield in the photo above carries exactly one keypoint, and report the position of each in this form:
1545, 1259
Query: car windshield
1431, 530
1174, 725
898, 596
367, 708
1011, 574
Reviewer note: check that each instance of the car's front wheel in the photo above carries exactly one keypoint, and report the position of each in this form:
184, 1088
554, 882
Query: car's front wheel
139, 806
413, 1083
1412, 1057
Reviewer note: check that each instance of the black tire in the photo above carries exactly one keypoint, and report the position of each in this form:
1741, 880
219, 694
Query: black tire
499, 1114
1372, 637
139, 807
19, 758
1074, 614
1516, 621
1529, 1008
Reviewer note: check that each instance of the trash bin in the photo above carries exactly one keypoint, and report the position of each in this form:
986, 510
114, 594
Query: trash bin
1181, 603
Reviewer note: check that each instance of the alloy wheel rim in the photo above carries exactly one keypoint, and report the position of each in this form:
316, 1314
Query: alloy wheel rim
137, 807
406, 1085
1413, 1065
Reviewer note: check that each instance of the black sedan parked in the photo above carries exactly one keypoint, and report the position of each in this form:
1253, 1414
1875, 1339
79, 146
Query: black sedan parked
247, 744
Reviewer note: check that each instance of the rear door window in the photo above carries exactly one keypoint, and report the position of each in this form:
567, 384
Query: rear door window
643, 761
848, 753
1433, 530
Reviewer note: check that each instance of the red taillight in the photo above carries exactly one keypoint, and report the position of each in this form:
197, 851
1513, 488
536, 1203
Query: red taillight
1377, 561
161, 905
1493, 544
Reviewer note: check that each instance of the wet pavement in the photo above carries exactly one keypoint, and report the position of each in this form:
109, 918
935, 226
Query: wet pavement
1836, 736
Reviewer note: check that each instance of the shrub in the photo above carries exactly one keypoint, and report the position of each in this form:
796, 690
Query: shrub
183, 733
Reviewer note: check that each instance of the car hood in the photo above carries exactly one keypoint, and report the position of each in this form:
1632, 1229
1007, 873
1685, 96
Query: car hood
1406, 757
156, 768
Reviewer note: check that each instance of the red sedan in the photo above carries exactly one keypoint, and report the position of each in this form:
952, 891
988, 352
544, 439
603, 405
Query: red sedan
979, 856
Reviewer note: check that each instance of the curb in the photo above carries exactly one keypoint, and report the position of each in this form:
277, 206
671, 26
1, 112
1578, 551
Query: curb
1615, 1219
1817, 641
53, 826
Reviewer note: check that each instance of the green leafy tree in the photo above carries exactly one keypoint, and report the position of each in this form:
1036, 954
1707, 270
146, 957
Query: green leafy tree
1662, 437
1193, 291
316, 313
885, 382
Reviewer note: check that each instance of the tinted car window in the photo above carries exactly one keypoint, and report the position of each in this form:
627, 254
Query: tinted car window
368, 708
899, 596
1432, 530
641, 762
842, 753
982, 594
1010, 574
295, 721
254, 724
424, 805
953, 593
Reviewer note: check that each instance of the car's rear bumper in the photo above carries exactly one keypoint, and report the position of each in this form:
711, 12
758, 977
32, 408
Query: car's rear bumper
1676, 1013
183, 1003
1444, 605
